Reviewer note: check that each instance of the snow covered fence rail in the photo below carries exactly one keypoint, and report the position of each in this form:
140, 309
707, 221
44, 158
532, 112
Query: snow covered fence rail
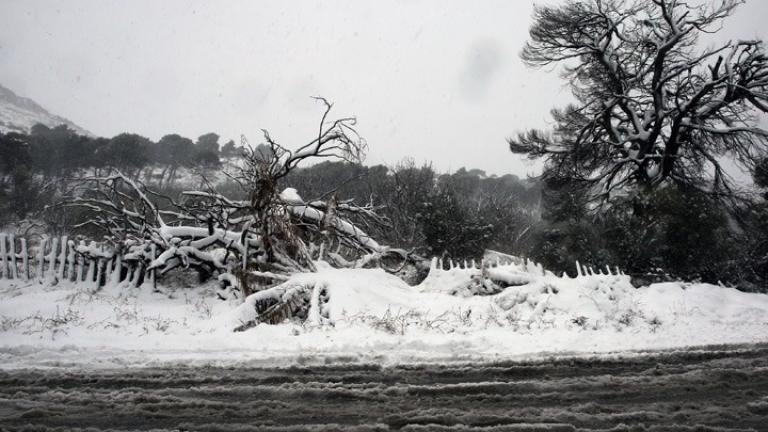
57, 259
497, 271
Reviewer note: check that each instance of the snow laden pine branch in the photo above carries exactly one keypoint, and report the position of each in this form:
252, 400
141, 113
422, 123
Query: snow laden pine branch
651, 106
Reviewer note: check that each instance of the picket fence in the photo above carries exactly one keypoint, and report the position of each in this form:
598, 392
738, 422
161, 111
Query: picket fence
56, 259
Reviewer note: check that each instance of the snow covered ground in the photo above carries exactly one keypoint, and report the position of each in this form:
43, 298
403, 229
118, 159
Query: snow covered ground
372, 316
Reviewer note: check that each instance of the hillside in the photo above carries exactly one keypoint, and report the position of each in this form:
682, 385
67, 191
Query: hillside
19, 114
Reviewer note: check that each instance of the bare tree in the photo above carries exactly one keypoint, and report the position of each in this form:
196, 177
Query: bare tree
652, 107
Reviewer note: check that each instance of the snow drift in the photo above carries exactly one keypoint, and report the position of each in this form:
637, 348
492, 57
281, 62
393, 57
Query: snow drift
514, 294
467, 313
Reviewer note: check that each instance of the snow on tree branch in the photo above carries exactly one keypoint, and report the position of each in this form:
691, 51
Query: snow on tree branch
651, 107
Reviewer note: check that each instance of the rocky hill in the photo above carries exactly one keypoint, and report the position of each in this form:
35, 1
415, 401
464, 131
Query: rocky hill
19, 114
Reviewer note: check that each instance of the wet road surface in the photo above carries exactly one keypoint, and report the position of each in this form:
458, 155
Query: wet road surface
714, 389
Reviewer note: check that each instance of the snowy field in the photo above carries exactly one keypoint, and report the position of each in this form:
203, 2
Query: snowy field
371, 316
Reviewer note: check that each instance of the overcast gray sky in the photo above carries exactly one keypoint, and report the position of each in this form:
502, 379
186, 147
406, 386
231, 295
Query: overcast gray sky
435, 80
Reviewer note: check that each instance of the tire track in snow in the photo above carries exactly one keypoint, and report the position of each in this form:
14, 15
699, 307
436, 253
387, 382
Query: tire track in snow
715, 389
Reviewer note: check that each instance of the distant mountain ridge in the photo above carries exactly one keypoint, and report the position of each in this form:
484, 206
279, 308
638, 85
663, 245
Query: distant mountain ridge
19, 114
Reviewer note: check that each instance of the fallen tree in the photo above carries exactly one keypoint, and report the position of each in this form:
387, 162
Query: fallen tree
249, 244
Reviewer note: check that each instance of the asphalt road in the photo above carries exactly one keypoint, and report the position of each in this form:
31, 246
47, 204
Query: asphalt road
713, 389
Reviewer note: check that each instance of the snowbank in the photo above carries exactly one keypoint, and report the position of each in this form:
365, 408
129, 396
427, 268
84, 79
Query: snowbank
369, 315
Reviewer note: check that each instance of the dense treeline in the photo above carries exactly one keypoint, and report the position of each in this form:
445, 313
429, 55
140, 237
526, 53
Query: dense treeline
36, 167
667, 233
60, 152
457, 215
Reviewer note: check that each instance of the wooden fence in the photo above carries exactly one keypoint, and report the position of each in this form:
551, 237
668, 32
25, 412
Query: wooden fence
57, 259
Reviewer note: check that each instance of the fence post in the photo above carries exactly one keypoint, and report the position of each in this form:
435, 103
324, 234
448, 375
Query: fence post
99, 272
52, 259
14, 270
128, 274
80, 264
71, 261
63, 257
92, 265
25, 258
149, 275
154, 270
3, 259
41, 259
108, 271
117, 272
91, 271
133, 275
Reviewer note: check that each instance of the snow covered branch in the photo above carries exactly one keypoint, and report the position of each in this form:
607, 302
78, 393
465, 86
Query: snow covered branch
651, 107
270, 234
